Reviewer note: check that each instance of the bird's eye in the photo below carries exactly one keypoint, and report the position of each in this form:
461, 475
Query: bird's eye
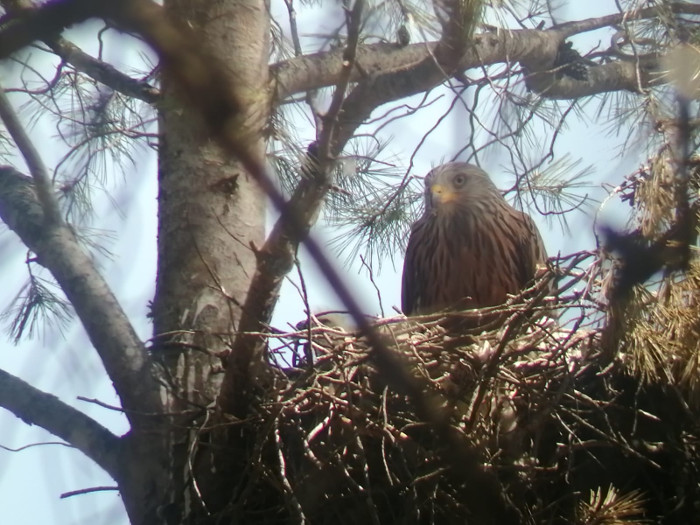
459, 180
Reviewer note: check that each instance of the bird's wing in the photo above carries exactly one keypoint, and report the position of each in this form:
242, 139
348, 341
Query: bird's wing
412, 282
531, 250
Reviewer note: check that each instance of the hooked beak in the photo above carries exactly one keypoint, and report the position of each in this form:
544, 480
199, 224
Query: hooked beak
441, 194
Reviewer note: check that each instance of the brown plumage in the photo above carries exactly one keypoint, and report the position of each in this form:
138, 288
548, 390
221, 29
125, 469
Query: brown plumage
470, 248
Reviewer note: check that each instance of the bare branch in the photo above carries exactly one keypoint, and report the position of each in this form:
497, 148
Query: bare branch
35, 407
89, 490
122, 353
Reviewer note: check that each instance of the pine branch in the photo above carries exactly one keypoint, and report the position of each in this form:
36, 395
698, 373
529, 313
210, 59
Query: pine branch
122, 353
84, 63
37, 168
619, 75
103, 72
414, 74
35, 307
591, 24
612, 508
35, 407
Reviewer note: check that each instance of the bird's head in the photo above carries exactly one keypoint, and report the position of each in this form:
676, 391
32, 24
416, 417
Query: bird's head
457, 185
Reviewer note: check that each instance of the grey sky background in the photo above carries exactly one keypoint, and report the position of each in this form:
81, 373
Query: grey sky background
32, 480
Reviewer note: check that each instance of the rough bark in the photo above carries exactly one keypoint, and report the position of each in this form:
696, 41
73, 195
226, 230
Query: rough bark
211, 213
210, 209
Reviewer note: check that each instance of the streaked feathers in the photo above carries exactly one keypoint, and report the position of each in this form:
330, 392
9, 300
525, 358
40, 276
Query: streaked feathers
470, 248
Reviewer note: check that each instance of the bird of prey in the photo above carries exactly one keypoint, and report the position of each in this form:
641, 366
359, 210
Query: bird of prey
470, 249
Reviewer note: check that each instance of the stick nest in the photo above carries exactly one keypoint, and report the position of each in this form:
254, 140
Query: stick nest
530, 417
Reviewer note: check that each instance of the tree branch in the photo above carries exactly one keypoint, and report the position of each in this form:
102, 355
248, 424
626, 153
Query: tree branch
590, 24
40, 174
123, 355
103, 72
84, 63
18, 31
620, 75
276, 258
35, 407
330, 119
319, 70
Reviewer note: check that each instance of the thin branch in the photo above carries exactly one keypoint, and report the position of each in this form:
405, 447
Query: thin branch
42, 180
103, 72
35, 407
370, 274
84, 63
33, 445
293, 27
325, 140
591, 24
276, 258
122, 353
100, 404
89, 490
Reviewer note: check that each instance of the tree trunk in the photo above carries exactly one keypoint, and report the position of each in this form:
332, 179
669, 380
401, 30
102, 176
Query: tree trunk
210, 213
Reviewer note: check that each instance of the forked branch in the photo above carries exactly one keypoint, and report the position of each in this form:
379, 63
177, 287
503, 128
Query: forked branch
35, 407
276, 258
122, 353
